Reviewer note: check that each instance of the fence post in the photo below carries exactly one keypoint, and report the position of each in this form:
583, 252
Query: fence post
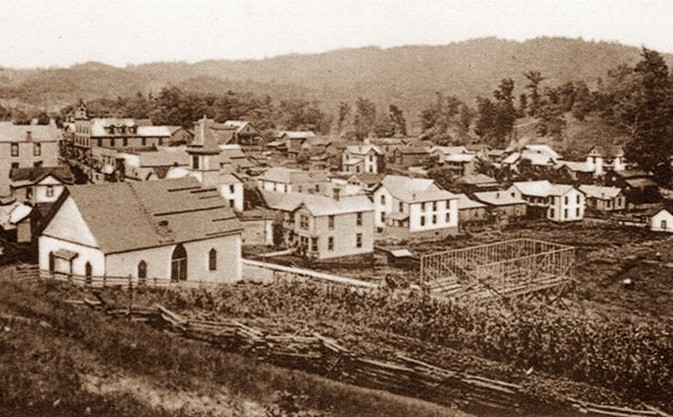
130, 310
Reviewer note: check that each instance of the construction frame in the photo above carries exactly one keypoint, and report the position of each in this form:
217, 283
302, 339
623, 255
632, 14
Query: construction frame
504, 269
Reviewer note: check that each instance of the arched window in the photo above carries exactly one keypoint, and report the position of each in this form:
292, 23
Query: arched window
52, 262
87, 273
179, 264
142, 271
212, 260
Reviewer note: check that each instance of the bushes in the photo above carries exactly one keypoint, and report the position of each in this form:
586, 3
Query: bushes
636, 358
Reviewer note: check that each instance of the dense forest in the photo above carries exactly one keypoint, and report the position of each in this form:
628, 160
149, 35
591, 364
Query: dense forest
569, 103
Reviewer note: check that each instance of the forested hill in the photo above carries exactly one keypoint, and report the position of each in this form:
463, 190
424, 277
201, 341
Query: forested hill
407, 76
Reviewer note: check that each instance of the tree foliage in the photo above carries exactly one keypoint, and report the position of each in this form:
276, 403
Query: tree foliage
365, 117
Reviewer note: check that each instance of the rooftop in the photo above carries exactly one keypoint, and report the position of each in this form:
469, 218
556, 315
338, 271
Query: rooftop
129, 216
498, 198
596, 191
10, 132
413, 190
542, 188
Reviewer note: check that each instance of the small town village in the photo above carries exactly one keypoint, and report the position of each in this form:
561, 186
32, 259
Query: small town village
336, 209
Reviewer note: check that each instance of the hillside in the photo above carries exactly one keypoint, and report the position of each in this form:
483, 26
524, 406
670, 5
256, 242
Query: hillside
406, 75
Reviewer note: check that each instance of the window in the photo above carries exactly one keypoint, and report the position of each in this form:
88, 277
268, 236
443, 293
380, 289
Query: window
434, 206
577, 212
434, 219
142, 270
231, 189
161, 141
314, 244
37, 149
87, 274
100, 142
195, 162
424, 206
212, 260
144, 141
422, 220
15, 149
330, 243
551, 213
565, 213
383, 217
401, 208
358, 219
565, 200
358, 240
126, 142
15, 165
52, 261
179, 264
383, 199
303, 221
512, 194
448, 217
608, 203
578, 198
317, 188
29, 193
112, 142
330, 222
664, 225
50, 191
37, 164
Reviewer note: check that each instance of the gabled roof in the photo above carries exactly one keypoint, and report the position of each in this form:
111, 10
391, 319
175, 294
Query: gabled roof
460, 157
363, 149
542, 150
282, 201
10, 132
603, 193
449, 150
498, 198
293, 176
320, 205
575, 166
542, 188
611, 151
296, 134
128, 216
237, 125
414, 190
412, 150
33, 175
465, 203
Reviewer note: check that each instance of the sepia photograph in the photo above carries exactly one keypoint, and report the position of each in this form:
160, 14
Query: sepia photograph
336, 208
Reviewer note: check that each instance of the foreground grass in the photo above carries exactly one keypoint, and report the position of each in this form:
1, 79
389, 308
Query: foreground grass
44, 369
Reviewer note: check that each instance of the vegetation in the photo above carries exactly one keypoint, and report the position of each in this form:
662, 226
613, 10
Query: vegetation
47, 369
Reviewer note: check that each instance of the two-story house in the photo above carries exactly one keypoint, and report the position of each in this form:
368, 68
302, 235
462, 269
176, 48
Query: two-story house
289, 180
556, 202
365, 158
414, 207
604, 158
604, 199
324, 227
24, 146
39, 185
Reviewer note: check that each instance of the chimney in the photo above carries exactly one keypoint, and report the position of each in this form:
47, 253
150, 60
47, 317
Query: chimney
336, 193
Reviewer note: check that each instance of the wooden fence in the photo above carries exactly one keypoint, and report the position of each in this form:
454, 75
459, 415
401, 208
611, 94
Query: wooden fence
327, 357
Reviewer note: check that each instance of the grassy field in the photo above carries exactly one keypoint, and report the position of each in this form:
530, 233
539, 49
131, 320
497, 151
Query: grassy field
73, 361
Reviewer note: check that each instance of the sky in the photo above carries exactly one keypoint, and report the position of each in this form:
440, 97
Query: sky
38, 33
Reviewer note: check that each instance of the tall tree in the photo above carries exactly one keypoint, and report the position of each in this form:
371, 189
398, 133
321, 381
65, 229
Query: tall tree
397, 118
534, 80
344, 111
365, 117
646, 113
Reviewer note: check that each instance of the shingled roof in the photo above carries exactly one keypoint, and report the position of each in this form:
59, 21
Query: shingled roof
34, 175
130, 216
